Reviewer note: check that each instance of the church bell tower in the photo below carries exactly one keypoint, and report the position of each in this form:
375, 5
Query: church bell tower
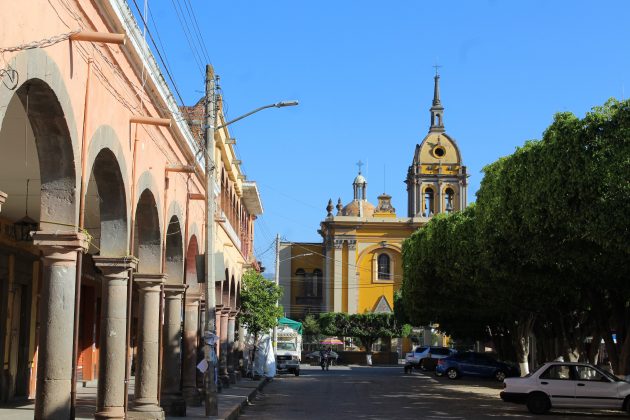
436, 180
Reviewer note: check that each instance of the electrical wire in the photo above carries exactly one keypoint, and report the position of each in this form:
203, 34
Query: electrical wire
186, 29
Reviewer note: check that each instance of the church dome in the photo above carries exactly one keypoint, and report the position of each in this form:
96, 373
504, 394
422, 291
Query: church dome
358, 206
359, 179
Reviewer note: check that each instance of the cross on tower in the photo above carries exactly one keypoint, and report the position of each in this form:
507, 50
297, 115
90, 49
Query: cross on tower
359, 164
436, 68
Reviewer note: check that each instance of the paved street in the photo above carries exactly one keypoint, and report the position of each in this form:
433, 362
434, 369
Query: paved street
358, 392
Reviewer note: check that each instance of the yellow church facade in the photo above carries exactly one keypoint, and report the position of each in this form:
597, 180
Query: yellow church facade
357, 267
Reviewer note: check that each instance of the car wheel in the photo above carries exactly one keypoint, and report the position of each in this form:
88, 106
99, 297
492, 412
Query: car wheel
452, 373
499, 375
538, 403
297, 372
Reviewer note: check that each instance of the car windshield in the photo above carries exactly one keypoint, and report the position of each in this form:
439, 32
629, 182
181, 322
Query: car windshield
420, 349
610, 375
287, 346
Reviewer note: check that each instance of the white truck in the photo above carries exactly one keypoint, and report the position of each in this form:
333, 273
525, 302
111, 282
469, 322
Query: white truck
288, 350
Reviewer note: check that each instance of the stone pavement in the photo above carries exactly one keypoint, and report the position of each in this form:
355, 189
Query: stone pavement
231, 402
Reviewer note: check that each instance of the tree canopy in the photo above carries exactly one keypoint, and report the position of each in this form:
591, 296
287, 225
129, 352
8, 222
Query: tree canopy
545, 250
259, 296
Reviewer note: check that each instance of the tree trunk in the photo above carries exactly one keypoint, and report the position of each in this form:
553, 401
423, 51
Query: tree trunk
368, 350
624, 357
254, 356
521, 341
592, 352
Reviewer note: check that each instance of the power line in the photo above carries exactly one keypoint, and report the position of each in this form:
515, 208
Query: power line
157, 50
186, 30
200, 40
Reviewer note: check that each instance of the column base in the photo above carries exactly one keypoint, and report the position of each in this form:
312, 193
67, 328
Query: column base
146, 411
173, 405
192, 396
110, 413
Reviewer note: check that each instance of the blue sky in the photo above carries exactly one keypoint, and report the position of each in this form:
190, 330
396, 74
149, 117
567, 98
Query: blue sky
363, 74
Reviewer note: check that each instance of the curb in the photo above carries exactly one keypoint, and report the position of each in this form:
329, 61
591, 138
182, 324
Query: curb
236, 411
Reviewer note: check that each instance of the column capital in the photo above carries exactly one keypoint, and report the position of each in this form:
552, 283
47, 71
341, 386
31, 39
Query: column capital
225, 310
61, 246
173, 290
193, 297
3, 198
233, 314
148, 281
112, 266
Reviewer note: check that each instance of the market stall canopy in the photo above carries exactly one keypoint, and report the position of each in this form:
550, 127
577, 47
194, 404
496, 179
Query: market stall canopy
331, 341
297, 326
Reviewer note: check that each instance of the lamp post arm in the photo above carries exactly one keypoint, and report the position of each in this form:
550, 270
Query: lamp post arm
276, 105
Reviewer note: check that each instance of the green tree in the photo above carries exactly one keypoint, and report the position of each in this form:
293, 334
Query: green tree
369, 327
259, 312
312, 330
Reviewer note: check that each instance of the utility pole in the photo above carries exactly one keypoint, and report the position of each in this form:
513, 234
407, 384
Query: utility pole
210, 376
277, 281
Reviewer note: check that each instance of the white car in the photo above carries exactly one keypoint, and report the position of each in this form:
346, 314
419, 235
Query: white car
562, 384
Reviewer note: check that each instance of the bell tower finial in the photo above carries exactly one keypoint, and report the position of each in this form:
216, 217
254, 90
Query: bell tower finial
437, 110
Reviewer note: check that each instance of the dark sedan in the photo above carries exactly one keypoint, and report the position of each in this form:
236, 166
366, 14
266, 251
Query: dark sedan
475, 364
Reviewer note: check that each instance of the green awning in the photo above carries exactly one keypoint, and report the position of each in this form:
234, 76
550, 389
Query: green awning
297, 326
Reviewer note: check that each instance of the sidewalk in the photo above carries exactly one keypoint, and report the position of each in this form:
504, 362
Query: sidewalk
231, 402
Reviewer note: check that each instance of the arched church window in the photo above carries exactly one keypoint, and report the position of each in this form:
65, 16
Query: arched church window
449, 197
300, 278
384, 272
317, 282
428, 202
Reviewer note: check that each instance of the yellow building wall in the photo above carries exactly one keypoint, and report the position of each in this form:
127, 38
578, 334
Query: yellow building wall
306, 262
370, 289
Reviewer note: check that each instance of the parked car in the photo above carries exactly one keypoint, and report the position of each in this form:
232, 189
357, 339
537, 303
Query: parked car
475, 364
425, 357
564, 384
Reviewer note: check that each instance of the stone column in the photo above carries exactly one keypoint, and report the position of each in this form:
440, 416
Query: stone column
352, 268
191, 331
54, 364
217, 317
111, 372
223, 361
231, 350
338, 276
3, 198
145, 403
172, 399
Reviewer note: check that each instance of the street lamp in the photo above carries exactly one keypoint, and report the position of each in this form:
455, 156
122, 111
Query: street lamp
210, 338
280, 104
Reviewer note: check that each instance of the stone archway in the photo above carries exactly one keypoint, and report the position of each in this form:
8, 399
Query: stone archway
149, 281
147, 243
171, 396
34, 122
106, 222
191, 325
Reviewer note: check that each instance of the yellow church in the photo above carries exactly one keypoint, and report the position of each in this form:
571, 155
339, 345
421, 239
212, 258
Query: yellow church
358, 265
